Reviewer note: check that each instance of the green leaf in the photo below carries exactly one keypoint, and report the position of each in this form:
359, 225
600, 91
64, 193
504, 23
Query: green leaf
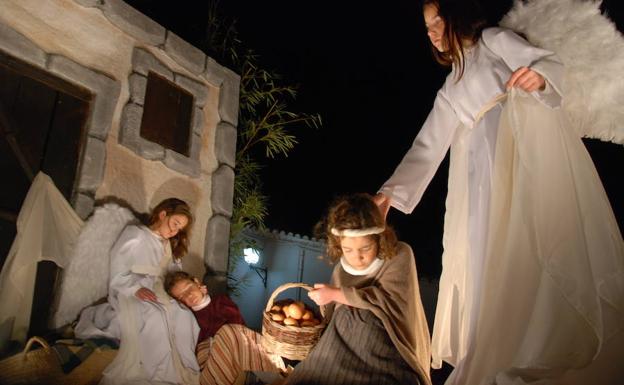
266, 129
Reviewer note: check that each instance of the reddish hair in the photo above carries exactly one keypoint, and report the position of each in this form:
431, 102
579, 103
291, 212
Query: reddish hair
174, 206
356, 211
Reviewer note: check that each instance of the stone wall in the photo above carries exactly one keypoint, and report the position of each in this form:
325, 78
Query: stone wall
107, 47
287, 258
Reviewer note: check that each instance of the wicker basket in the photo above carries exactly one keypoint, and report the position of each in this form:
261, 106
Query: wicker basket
41, 367
38, 366
291, 342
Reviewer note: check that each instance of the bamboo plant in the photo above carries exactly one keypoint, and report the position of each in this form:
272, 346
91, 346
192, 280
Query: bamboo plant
266, 128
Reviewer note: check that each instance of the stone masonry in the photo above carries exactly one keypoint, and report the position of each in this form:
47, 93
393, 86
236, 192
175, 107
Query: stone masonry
106, 91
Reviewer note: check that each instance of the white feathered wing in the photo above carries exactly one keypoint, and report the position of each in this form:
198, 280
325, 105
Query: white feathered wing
592, 50
85, 278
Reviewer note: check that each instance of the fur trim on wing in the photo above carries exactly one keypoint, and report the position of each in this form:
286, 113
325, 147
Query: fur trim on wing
592, 50
85, 278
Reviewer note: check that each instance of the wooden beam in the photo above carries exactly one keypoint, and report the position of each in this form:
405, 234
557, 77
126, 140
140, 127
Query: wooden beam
41, 75
8, 129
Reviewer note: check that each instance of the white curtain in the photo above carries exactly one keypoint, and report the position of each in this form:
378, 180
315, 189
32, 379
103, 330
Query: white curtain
47, 229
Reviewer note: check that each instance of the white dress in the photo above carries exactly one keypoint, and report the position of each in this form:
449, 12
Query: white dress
158, 340
464, 119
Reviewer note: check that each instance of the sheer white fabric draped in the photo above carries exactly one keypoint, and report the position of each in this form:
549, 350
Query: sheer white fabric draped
47, 229
553, 279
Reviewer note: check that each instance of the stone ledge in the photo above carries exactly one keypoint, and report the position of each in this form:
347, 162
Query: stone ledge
198, 121
214, 72
216, 244
229, 98
229, 83
106, 91
198, 90
129, 20
92, 166
182, 164
223, 190
184, 53
225, 144
19, 46
137, 85
130, 134
143, 62
89, 3
83, 205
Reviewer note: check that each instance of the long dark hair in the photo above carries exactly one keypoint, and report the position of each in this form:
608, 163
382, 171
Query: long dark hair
464, 20
171, 206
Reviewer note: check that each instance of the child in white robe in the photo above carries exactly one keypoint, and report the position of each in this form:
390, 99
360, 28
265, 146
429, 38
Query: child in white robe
157, 335
532, 252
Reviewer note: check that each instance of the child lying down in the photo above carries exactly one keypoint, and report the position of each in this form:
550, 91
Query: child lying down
225, 347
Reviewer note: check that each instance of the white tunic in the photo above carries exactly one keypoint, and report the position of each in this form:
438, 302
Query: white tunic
158, 340
489, 64
510, 298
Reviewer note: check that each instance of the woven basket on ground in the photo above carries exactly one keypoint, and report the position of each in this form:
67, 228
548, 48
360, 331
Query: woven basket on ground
41, 367
38, 366
291, 342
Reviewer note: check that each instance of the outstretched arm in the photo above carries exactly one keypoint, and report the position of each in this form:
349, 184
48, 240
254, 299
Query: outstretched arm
412, 176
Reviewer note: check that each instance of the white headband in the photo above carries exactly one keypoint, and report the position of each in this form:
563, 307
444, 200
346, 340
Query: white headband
357, 232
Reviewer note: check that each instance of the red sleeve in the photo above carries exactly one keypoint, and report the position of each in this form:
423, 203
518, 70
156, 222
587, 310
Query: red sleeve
220, 311
229, 311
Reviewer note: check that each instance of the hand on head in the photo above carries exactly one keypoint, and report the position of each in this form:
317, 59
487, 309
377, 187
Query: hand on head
383, 202
526, 79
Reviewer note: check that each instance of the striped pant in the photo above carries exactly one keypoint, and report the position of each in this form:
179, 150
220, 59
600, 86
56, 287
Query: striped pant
233, 350
355, 349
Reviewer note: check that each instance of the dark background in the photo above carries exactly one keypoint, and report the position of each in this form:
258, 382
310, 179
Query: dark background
367, 69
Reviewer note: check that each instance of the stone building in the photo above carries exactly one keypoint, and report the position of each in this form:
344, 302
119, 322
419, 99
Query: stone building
111, 105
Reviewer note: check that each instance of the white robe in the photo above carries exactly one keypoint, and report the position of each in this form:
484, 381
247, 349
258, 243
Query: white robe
455, 121
158, 340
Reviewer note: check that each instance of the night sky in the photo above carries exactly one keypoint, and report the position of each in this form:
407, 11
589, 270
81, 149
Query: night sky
367, 69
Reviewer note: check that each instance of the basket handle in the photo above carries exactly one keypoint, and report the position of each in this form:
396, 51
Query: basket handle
32, 340
287, 286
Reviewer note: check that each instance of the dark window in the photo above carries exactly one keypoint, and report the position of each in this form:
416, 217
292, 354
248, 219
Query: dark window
167, 114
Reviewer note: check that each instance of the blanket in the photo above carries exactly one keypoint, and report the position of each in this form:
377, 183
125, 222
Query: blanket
72, 352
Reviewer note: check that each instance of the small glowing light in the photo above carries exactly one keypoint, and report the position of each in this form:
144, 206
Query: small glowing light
251, 256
